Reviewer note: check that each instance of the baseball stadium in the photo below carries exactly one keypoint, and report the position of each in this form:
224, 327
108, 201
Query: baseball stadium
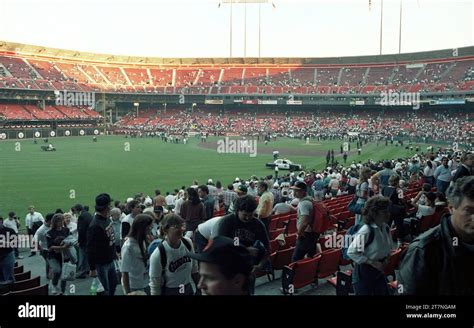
297, 152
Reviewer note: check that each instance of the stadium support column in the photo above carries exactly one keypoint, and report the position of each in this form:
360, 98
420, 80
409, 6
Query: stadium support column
137, 105
104, 108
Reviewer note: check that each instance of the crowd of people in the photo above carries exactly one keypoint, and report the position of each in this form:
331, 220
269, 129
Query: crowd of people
421, 126
32, 73
212, 238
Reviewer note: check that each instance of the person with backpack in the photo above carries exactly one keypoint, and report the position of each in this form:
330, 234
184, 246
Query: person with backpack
371, 247
171, 267
397, 206
134, 256
307, 238
101, 249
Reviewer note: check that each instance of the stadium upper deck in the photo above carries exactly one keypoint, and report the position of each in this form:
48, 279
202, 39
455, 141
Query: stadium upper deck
26, 67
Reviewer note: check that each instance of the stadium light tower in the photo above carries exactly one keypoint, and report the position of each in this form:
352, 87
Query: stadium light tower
400, 31
381, 24
245, 2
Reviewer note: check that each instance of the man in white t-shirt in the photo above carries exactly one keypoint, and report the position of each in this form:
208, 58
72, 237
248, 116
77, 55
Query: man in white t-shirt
285, 207
212, 188
422, 211
206, 231
428, 208
33, 221
170, 200
236, 183
40, 239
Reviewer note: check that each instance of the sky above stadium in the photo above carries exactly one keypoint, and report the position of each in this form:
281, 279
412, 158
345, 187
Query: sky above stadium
201, 28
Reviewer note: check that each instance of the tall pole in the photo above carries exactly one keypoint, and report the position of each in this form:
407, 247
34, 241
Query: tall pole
245, 29
259, 27
400, 32
231, 28
381, 24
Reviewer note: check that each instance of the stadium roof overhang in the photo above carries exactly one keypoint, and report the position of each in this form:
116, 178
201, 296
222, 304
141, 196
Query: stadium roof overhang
19, 49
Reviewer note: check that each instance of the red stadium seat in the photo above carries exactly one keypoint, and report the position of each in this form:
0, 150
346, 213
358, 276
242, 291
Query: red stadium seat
282, 258
329, 264
275, 233
299, 274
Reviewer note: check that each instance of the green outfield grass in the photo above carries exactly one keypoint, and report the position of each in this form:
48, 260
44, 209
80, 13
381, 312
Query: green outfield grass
81, 169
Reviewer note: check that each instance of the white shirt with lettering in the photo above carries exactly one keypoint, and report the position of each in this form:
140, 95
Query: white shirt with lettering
179, 267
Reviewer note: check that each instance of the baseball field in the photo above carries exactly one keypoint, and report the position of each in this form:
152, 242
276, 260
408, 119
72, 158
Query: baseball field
80, 169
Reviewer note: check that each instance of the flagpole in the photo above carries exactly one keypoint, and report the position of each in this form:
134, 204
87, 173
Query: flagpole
245, 29
259, 28
400, 32
381, 24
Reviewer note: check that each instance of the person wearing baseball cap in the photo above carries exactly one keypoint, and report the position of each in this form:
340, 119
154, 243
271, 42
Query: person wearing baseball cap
241, 191
101, 245
306, 242
224, 268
